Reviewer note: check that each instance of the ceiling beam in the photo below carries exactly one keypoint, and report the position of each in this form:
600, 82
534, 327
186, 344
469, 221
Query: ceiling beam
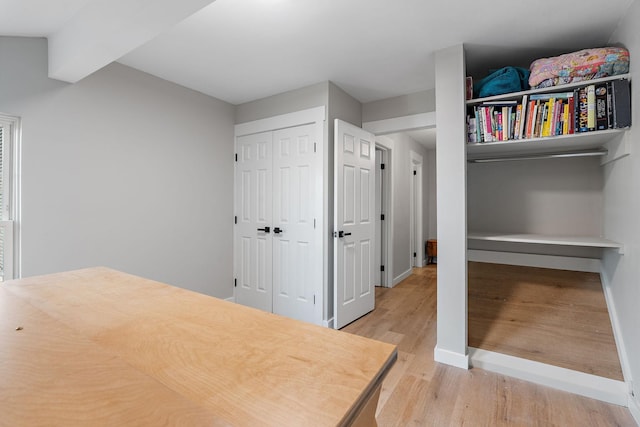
105, 30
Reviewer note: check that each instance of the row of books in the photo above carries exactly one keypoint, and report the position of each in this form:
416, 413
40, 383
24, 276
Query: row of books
605, 105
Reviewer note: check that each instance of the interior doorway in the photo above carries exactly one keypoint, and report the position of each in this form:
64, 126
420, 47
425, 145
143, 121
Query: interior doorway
415, 198
383, 203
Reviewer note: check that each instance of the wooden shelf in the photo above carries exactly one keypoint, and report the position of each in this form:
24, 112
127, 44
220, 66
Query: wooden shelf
551, 144
552, 89
579, 241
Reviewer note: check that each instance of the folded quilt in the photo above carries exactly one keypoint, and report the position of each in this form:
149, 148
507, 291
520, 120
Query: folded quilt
585, 64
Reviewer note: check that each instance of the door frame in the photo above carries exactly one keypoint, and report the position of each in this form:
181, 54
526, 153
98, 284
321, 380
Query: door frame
386, 250
395, 125
317, 117
416, 214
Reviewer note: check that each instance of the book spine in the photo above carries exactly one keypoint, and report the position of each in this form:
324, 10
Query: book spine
478, 125
539, 117
517, 125
488, 131
601, 107
572, 115
582, 115
565, 118
609, 105
522, 116
591, 107
621, 103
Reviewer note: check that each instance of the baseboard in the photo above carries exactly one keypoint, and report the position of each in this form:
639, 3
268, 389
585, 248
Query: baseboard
583, 384
451, 358
230, 299
589, 265
402, 276
634, 408
328, 323
615, 325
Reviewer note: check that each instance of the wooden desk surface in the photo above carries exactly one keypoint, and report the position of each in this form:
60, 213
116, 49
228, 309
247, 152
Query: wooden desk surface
100, 347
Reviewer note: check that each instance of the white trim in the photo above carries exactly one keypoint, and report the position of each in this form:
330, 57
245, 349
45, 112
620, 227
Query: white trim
298, 118
634, 408
14, 164
401, 277
450, 358
617, 330
399, 124
328, 323
383, 143
416, 191
231, 299
583, 384
589, 265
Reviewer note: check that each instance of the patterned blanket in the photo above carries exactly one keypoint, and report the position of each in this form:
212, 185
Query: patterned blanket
585, 64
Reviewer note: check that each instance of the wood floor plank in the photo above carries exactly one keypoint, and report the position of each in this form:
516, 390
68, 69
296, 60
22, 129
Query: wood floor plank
550, 316
421, 392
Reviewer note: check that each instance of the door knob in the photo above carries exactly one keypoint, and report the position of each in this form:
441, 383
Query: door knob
342, 234
277, 230
266, 229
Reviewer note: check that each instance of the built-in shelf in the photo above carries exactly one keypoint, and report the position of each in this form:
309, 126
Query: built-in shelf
547, 145
588, 242
552, 89
550, 144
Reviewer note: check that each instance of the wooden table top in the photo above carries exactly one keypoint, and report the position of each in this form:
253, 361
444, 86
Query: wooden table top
101, 347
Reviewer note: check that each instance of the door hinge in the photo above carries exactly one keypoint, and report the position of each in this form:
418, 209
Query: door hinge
381, 165
414, 255
382, 268
314, 223
235, 283
315, 146
236, 157
415, 172
314, 300
382, 217
235, 219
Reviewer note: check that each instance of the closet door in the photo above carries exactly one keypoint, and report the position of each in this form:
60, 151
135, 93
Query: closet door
253, 231
295, 254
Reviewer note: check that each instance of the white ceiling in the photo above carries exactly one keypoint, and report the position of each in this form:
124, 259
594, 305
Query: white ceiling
241, 50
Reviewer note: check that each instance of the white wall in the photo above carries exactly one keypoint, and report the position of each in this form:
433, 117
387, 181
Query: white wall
123, 170
400, 106
401, 170
451, 347
621, 273
554, 196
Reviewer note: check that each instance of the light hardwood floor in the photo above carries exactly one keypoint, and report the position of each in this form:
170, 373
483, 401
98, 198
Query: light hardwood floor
551, 316
420, 392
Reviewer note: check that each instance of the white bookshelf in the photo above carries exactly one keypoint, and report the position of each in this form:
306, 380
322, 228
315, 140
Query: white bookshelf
544, 145
542, 239
548, 145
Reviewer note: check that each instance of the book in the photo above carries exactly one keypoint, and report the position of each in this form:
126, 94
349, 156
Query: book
591, 107
602, 116
572, 116
522, 116
582, 110
621, 103
565, 118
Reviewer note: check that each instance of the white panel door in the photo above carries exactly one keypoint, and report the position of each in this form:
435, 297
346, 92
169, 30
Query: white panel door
253, 238
295, 249
354, 210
